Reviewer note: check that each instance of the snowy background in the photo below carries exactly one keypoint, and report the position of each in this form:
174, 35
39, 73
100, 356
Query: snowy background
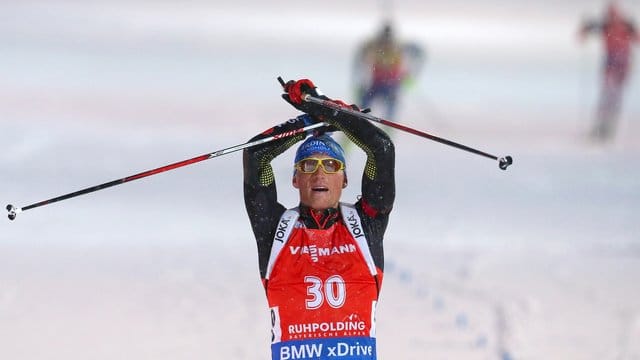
539, 262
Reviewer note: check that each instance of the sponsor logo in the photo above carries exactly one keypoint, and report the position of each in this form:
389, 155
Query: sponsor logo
288, 133
340, 349
316, 252
282, 229
327, 327
356, 230
344, 349
304, 351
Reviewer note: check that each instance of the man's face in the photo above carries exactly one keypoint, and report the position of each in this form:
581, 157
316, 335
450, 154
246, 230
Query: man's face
319, 190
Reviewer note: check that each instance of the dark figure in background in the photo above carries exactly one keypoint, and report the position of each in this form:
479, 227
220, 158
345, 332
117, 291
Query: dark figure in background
618, 34
382, 66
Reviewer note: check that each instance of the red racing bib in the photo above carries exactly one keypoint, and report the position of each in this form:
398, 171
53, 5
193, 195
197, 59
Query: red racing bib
322, 288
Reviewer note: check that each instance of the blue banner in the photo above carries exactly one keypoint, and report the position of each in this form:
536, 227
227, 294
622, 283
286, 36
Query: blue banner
350, 348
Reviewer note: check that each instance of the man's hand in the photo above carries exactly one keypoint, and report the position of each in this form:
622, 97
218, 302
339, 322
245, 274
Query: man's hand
296, 90
294, 95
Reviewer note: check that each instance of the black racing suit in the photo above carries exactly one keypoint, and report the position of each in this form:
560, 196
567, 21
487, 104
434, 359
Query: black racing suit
378, 182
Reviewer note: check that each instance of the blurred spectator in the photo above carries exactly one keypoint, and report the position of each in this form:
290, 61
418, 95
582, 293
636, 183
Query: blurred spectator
618, 34
382, 66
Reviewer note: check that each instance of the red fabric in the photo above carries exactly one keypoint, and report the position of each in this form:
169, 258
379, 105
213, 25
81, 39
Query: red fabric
368, 209
298, 301
297, 89
268, 131
320, 219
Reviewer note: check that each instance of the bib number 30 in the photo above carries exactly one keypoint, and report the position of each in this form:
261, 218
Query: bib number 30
332, 290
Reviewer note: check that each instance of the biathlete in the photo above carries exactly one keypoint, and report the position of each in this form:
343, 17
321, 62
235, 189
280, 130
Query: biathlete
322, 261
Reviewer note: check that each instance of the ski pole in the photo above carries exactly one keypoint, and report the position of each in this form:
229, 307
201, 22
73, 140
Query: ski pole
14, 211
503, 162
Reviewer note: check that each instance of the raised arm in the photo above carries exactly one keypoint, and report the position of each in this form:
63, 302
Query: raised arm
260, 195
378, 179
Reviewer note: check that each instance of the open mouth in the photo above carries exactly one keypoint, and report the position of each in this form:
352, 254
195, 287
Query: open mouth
320, 189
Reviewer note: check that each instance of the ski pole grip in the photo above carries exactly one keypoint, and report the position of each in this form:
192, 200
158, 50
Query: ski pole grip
281, 81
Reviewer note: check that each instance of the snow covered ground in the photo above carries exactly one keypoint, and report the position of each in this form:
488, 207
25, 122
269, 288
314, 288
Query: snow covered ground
539, 262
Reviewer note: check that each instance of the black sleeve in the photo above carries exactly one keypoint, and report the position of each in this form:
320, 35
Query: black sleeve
378, 181
260, 195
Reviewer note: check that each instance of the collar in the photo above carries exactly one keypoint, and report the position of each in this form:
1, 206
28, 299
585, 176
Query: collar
318, 219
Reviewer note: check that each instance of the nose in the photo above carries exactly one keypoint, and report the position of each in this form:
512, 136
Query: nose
319, 173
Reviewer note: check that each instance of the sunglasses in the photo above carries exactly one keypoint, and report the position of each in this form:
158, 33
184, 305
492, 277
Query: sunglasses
310, 165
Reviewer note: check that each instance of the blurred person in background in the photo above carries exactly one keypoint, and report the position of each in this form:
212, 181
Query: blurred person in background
321, 263
618, 34
383, 66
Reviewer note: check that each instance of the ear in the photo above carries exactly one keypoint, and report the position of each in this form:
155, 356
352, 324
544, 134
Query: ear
345, 182
294, 182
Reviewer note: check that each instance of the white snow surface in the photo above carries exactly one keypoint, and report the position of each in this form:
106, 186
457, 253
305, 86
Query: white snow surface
541, 261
